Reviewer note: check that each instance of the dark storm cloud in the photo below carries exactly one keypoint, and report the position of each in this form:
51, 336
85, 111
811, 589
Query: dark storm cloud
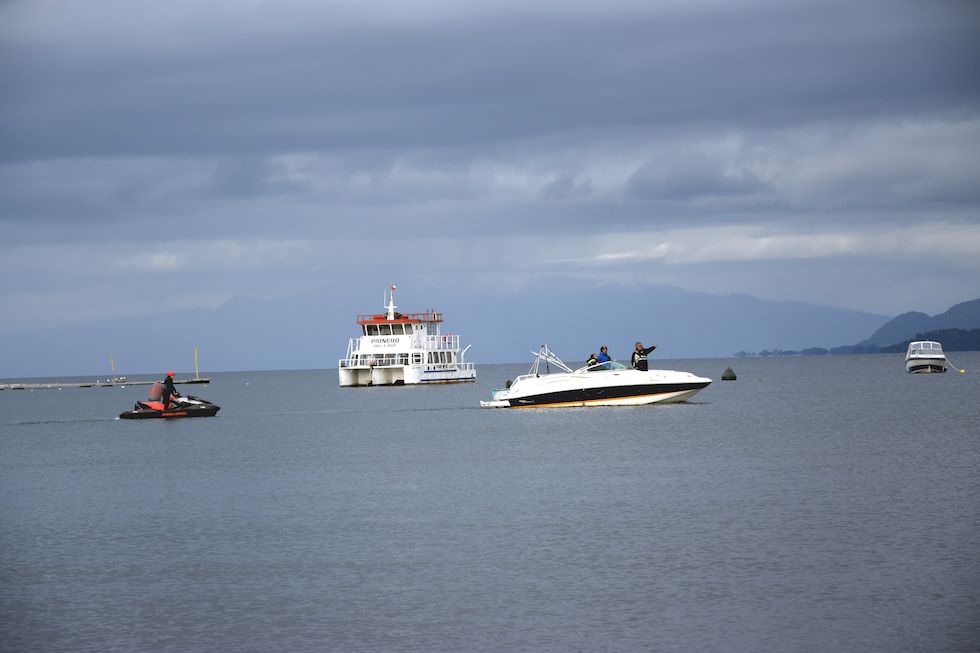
565, 187
688, 177
244, 177
481, 78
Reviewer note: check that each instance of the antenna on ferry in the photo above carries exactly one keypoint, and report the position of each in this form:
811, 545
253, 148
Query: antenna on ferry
391, 303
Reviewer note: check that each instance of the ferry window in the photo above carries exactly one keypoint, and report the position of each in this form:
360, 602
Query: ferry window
452, 357
417, 358
442, 357
371, 329
397, 329
384, 329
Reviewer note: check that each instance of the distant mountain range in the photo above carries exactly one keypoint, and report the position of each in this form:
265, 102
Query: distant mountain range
311, 330
898, 332
958, 329
951, 340
965, 315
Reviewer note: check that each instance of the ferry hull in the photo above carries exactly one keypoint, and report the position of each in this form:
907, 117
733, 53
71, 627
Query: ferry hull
351, 377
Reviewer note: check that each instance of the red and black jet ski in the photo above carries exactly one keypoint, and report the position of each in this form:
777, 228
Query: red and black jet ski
179, 407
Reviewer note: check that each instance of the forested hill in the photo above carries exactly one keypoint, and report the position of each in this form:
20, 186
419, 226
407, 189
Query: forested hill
960, 326
951, 339
965, 315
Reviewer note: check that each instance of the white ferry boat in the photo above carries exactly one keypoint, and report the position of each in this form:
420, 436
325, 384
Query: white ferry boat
403, 349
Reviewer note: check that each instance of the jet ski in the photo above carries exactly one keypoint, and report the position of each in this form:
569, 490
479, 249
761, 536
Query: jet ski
179, 407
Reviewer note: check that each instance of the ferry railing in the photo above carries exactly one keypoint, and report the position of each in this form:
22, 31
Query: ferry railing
381, 318
435, 343
446, 342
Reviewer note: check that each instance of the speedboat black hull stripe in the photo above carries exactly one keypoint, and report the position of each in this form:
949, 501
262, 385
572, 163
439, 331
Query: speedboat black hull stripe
605, 393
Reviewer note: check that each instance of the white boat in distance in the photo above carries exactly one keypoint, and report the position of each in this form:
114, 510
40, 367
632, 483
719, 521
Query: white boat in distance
403, 349
603, 384
925, 357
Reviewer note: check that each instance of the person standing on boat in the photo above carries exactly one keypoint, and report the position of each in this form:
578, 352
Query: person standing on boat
169, 390
603, 357
639, 359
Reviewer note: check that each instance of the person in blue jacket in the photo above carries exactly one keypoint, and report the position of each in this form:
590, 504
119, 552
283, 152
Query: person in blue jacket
603, 357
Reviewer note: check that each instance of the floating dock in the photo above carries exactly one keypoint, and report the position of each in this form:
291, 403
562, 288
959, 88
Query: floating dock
111, 382
56, 385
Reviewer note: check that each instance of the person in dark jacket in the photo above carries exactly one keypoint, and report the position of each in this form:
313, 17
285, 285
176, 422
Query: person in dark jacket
639, 359
592, 361
169, 390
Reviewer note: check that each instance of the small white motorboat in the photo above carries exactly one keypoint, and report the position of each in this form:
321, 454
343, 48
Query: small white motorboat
602, 384
925, 357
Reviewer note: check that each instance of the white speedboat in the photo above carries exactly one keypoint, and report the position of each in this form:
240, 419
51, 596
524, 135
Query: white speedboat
403, 349
603, 384
924, 357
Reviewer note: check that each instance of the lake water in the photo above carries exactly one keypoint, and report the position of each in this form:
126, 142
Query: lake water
816, 504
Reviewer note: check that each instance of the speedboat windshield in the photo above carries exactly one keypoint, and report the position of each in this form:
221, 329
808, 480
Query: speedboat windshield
599, 367
925, 348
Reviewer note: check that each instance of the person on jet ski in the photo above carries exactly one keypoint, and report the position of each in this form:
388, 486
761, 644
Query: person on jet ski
169, 390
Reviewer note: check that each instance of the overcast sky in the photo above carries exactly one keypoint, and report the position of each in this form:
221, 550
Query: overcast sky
166, 155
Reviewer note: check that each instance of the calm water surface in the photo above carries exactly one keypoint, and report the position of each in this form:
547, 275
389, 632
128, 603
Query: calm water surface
816, 504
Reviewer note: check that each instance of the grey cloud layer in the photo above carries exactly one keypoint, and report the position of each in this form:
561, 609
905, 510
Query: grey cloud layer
480, 79
285, 132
